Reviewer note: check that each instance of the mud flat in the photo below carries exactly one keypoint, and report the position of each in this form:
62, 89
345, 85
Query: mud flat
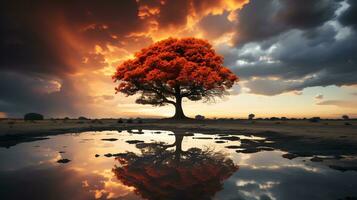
325, 129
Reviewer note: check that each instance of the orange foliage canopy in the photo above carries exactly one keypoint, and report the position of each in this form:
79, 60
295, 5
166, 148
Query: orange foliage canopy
172, 69
172, 62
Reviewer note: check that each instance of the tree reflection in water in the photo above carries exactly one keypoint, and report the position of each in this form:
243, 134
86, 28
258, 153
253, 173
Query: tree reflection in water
160, 173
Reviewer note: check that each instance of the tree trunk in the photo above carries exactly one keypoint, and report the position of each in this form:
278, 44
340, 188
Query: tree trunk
178, 109
178, 150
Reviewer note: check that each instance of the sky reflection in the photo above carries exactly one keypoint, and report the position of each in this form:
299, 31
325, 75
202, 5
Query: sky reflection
176, 163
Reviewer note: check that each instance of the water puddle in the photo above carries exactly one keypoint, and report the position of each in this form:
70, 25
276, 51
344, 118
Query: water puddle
155, 164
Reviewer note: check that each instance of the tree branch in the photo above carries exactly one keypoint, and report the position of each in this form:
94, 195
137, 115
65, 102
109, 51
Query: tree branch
157, 92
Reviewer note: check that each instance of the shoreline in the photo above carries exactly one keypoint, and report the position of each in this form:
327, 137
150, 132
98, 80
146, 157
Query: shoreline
330, 142
291, 127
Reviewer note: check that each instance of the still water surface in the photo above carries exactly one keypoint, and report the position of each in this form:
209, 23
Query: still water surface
152, 164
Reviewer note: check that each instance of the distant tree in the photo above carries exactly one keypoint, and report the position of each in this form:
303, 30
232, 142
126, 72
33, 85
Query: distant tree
199, 117
284, 118
139, 120
173, 69
251, 116
345, 117
314, 119
33, 116
82, 118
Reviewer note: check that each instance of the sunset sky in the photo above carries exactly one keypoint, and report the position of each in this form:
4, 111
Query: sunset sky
294, 58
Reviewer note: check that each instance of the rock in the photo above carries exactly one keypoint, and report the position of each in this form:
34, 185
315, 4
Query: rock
110, 139
96, 155
232, 147
317, 159
230, 138
134, 141
118, 154
343, 168
203, 138
249, 150
199, 117
266, 148
220, 141
108, 155
289, 156
64, 160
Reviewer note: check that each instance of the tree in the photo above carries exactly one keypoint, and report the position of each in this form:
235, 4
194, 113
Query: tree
199, 117
251, 116
345, 117
33, 116
314, 119
159, 172
173, 69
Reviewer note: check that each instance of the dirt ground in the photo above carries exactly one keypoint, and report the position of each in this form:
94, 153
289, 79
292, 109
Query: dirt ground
325, 129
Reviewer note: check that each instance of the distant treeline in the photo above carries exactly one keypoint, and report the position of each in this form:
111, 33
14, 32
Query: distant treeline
37, 116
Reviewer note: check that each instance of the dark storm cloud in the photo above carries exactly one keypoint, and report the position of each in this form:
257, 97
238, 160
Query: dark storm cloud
305, 14
99, 21
173, 13
46, 41
215, 26
255, 22
261, 19
21, 93
42, 36
289, 45
349, 17
28, 43
32, 37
